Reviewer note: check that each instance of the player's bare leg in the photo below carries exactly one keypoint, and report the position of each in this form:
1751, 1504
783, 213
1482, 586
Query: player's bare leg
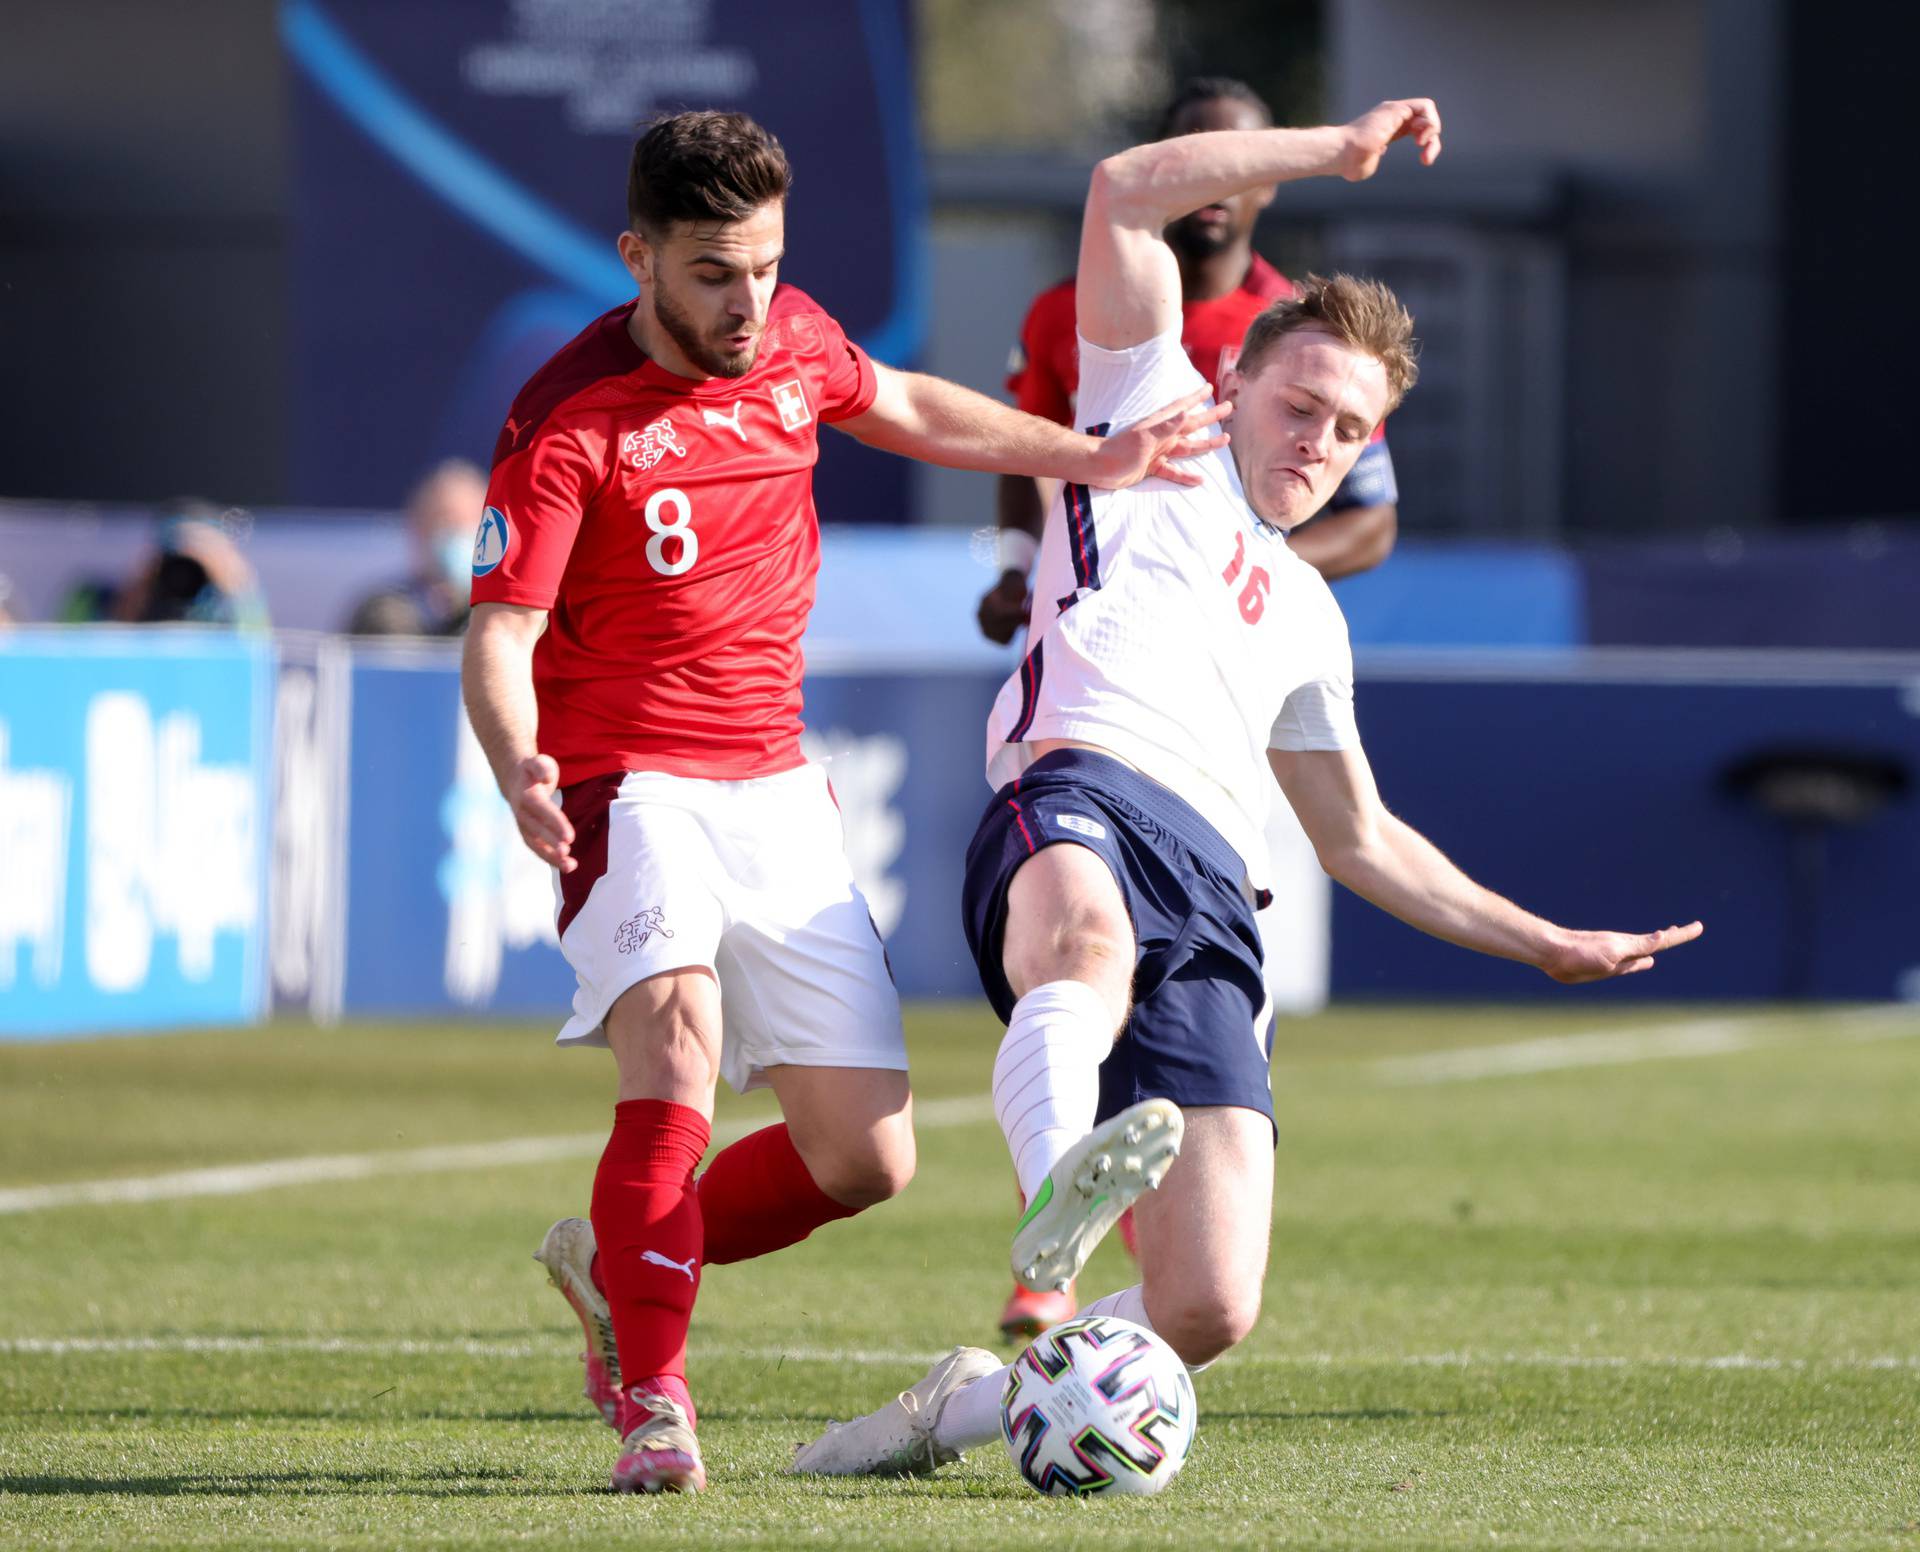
665, 1035
1204, 1233
1068, 955
853, 1126
845, 1145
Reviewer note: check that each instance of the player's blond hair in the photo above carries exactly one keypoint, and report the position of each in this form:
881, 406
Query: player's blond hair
1361, 313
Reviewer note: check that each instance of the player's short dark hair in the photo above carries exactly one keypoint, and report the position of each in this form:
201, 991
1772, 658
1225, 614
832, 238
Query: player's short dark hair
703, 166
1362, 313
1211, 88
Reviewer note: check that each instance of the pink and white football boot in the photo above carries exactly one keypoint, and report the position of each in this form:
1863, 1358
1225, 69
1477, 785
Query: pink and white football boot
567, 1253
658, 1450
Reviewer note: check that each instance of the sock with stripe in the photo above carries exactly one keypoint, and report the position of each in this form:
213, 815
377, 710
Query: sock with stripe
646, 1220
1046, 1079
758, 1196
971, 1416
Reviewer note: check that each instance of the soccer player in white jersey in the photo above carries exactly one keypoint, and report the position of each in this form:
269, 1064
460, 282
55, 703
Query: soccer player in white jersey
1189, 660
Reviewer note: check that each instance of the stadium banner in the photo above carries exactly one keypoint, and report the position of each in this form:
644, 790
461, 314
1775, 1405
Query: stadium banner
459, 179
133, 815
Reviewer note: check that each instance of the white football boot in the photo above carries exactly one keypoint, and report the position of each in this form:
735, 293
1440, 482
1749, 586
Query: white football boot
1096, 1180
897, 1440
567, 1254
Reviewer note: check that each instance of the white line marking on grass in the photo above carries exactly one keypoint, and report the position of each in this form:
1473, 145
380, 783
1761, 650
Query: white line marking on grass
270, 1174
1648, 1043
473, 1347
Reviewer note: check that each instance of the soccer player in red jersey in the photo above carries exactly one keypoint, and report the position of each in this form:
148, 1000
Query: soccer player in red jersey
642, 575
1224, 285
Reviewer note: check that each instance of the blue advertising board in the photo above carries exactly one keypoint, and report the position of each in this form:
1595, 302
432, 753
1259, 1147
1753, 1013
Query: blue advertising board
445, 908
1604, 791
133, 811
182, 810
460, 178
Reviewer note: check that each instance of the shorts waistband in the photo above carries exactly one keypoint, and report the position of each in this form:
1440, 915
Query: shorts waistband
1161, 804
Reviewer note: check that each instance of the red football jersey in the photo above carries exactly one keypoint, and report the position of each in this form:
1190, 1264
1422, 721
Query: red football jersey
1045, 371
667, 526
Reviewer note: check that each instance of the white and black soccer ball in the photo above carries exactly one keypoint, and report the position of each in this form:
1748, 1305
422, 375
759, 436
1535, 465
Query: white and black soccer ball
1098, 1405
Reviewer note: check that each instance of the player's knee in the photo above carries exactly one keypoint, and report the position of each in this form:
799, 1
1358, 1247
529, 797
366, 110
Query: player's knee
1090, 952
1200, 1328
868, 1170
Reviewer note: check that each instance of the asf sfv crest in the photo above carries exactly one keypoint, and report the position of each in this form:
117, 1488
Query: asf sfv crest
632, 933
644, 449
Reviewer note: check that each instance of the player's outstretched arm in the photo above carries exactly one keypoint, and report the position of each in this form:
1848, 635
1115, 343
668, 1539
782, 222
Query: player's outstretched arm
496, 681
940, 422
1129, 282
1388, 862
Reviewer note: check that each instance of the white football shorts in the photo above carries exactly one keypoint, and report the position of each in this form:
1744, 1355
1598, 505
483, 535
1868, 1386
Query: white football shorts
748, 879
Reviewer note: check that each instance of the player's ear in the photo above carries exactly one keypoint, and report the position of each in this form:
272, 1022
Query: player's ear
1230, 384
1264, 197
637, 254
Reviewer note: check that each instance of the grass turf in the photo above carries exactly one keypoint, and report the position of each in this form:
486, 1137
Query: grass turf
1666, 1303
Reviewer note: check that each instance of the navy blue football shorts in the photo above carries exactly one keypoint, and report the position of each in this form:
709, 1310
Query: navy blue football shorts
1198, 1034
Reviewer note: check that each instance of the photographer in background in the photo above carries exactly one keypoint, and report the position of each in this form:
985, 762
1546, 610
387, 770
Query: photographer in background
196, 573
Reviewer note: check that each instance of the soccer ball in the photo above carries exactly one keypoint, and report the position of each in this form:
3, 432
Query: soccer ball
1098, 1405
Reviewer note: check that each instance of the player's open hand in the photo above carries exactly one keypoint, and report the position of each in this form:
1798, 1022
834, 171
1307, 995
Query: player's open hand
1413, 118
1005, 607
1153, 448
543, 826
1599, 956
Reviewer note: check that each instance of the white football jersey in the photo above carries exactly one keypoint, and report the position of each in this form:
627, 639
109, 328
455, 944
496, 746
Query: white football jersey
1174, 628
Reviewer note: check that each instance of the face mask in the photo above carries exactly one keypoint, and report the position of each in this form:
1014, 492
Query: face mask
455, 553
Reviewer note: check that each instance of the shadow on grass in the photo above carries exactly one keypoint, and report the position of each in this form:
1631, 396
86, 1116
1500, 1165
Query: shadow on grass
442, 1482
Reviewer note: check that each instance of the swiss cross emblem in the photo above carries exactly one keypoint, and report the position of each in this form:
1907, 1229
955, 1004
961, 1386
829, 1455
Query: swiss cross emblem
644, 449
790, 399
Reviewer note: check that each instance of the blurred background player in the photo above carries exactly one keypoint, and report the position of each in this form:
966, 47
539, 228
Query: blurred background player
643, 572
1224, 285
431, 600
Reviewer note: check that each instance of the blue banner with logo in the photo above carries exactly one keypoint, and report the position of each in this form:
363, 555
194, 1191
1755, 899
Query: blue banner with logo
133, 816
460, 178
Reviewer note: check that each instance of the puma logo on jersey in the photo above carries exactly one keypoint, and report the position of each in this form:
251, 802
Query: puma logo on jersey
1091, 828
684, 1268
731, 422
517, 428
644, 449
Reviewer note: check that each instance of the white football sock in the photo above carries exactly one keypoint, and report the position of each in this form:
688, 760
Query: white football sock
971, 1416
1046, 1079
1127, 1304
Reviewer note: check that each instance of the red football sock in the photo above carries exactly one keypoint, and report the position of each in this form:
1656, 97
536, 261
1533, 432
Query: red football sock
646, 1218
757, 1196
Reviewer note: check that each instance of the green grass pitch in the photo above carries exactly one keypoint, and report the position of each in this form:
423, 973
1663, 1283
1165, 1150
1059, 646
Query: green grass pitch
1663, 1299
